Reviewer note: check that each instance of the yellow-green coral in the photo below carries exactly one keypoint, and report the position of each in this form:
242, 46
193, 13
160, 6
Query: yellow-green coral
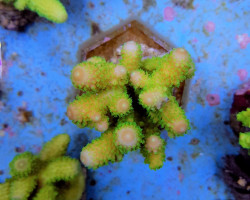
244, 140
5, 191
73, 189
48, 192
21, 189
37, 177
52, 10
100, 151
155, 160
23, 165
55, 148
129, 102
63, 168
244, 118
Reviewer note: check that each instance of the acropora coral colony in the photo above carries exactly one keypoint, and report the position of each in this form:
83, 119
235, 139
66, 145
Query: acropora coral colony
244, 138
48, 176
52, 10
129, 102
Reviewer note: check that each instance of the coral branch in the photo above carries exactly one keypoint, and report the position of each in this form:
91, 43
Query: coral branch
100, 151
52, 10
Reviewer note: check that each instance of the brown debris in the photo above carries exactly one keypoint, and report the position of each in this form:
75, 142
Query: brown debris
194, 141
13, 19
24, 116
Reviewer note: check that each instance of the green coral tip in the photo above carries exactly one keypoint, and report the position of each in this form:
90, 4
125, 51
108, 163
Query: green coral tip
244, 140
244, 117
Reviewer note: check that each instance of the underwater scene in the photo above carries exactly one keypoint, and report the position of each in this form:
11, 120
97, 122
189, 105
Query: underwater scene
124, 100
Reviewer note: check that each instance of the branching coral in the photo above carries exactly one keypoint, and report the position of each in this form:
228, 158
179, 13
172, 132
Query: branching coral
46, 176
52, 10
244, 118
129, 101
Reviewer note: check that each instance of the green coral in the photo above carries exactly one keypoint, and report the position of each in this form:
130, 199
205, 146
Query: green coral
52, 10
48, 192
23, 165
244, 117
244, 138
5, 191
74, 188
21, 189
37, 177
55, 148
63, 168
126, 100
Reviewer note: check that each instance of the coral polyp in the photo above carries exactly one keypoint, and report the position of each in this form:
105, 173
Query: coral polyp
130, 102
23, 165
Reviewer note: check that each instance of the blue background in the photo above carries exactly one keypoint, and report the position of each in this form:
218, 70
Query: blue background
38, 63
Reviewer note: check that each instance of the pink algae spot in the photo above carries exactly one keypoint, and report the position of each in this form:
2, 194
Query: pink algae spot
209, 26
243, 40
194, 40
106, 39
242, 73
213, 99
178, 192
169, 14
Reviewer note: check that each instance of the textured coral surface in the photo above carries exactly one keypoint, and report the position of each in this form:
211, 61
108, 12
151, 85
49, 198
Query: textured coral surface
130, 101
49, 176
38, 63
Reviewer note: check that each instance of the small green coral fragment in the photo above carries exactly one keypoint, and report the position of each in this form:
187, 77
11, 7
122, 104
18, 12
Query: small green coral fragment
60, 169
48, 192
21, 189
130, 102
23, 165
5, 191
55, 148
244, 140
244, 117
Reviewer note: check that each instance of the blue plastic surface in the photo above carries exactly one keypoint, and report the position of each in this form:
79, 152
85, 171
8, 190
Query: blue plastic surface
38, 63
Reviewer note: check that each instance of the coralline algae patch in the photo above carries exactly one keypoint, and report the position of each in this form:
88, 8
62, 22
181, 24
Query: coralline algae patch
213, 99
243, 40
169, 14
209, 26
242, 73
